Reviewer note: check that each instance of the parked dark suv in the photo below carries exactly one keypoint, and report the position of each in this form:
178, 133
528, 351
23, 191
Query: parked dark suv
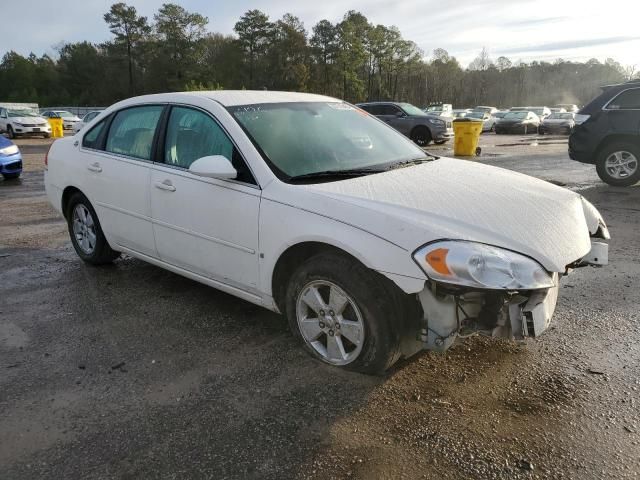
607, 134
411, 121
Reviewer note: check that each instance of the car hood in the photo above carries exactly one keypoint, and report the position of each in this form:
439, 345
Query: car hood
29, 120
459, 199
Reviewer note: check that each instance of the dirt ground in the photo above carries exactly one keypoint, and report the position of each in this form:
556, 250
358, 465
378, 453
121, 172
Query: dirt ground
130, 371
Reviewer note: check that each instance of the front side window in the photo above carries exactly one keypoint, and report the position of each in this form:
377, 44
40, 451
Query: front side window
628, 100
92, 137
192, 134
413, 110
132, 131
309, 137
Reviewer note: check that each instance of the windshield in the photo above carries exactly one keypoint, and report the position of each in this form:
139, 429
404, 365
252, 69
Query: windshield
561, 116
538, 111
515, 115
311, 137
479, 115
64, 114
22, 113
433, 108
412, 109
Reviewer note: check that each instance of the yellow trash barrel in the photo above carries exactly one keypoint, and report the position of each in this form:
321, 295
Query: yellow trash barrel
466, 136
56, 127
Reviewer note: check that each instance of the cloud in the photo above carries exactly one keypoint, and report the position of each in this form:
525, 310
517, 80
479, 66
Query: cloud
462, 28
567, 45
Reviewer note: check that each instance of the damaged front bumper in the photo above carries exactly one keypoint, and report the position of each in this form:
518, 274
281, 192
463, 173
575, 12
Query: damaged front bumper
514, 315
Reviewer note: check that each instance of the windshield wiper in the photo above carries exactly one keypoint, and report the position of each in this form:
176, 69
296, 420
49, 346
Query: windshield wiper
413, 161
354, 172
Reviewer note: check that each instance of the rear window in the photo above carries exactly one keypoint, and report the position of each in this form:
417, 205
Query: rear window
627, 100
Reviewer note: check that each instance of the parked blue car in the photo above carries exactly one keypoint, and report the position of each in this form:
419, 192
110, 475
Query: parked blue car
10, 159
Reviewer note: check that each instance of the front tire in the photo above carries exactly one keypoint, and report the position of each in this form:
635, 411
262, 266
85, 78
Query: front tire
343, 314
421, 136
86, 234
12, 134
618, 164
11, 176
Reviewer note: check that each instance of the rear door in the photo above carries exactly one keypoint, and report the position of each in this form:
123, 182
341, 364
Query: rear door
204, 225
117, 157
623, 112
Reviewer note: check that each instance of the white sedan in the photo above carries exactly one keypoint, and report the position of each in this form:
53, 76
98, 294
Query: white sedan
309, 206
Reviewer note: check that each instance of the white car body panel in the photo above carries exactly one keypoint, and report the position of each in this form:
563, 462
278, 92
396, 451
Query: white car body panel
231, 235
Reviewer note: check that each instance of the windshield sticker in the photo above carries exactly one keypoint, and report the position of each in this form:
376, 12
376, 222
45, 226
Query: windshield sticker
340, 106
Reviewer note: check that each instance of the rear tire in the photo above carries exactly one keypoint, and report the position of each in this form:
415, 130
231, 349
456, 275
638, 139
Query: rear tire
327, 279
421, 136
86, 234
618, 164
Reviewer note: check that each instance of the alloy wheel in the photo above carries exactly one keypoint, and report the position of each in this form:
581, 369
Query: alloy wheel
84, 229
621, 165
330, 322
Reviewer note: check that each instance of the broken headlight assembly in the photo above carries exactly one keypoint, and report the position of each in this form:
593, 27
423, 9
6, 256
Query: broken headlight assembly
477, 265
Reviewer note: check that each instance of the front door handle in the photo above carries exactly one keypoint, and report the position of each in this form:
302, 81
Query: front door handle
95, 167
165, 185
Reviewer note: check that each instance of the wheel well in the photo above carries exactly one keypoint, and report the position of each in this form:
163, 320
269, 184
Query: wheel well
633, 139
66, 196
291, 259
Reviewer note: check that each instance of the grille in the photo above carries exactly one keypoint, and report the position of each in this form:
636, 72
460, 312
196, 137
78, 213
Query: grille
13, 166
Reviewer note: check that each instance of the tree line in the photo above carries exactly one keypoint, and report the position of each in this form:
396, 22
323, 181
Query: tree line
352, 59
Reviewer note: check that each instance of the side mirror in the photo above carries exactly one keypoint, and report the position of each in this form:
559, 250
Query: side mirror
214, 166
400, 114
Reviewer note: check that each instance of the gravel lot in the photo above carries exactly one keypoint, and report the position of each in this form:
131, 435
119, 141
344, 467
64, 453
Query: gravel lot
130, 371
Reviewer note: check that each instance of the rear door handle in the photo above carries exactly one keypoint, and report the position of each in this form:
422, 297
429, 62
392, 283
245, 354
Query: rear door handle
165, 185
95, 167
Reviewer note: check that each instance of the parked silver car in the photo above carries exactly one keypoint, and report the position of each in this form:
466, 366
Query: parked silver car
488, 120
411, 121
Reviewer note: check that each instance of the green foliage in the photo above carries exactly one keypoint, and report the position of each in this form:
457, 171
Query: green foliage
353, 59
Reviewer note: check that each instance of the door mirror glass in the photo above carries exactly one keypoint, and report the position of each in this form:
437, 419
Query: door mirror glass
213, 166
399, 114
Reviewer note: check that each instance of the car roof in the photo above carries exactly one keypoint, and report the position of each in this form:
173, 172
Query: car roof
382, 103
232, 98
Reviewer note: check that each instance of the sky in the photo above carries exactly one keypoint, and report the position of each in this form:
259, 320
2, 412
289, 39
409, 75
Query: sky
519, 29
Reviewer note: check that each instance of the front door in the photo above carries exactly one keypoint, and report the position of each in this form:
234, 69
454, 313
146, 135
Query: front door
204, 225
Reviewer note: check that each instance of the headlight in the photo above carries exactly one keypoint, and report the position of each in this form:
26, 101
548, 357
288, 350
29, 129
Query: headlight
436, 121
10, 150
18, 124
477, 265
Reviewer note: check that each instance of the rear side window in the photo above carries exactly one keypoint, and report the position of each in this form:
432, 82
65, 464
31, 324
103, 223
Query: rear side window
132, 131
92, 137
627, 100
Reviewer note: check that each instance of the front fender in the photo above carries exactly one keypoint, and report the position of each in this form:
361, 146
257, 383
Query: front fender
283, 226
